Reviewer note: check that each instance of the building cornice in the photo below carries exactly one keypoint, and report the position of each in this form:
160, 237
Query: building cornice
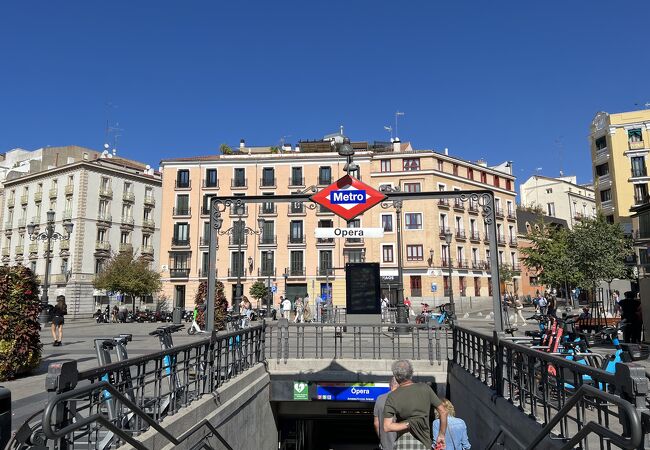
443, 175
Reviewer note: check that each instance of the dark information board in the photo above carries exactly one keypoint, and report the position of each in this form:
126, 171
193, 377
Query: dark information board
362, 284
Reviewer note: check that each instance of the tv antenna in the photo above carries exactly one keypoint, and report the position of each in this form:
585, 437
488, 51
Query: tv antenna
559, 143
646, 105
397, 114
390, 130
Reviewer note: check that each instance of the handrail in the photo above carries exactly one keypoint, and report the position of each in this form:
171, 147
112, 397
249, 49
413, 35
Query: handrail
79, 423
636, 433
508, 433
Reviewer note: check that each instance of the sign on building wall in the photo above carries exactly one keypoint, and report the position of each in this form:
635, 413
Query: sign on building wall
324, 233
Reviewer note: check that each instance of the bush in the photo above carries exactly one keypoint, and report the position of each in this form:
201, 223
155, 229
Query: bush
220, 305
20, 339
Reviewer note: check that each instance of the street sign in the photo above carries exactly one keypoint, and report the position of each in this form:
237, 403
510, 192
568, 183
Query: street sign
348, 197
434, 287
349, 232
359, 392
274, 289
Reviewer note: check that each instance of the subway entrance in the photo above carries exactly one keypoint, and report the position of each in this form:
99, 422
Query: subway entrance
325, 425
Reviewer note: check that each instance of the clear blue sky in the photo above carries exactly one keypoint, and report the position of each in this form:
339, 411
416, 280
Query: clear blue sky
503, 80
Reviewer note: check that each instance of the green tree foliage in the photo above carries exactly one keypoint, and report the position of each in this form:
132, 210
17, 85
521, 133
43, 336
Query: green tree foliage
258, 290
220, 305
128, 275
599, 250
225, 149
20, 340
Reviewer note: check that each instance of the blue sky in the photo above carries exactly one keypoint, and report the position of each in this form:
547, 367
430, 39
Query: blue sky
496, 79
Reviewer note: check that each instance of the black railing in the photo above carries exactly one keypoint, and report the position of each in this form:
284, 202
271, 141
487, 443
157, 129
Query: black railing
293, 239
268, 239
460, 234
268, 208
458, 204
236, 272
237, 239
178, 273
640, 172
325, 241
498, 212
324, 271
443, 202
180, 242
296, 181
267, 182
444, 231
211, 184
117, 402
473, 207
181, 211
296, 208
239, 210
266, 272
239, 182
475, 236
183, 184
297, 271
324, 180
462, 264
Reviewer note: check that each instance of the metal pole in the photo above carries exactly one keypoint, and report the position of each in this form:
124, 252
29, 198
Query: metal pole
44, 316
212, 265
490, 220
452, 306
240, 257
402, 316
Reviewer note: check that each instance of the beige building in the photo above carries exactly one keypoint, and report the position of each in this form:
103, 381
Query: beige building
560, 197
114, 206
287, 250
619, 147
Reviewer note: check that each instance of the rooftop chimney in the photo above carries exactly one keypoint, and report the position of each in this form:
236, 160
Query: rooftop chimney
397, 145
242, 143
446, 151
297, 148
482, 163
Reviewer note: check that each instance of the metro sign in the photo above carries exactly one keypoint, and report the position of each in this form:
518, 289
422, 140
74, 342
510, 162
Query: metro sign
348, 197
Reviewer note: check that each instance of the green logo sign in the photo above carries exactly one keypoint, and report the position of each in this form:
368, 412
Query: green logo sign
300, 390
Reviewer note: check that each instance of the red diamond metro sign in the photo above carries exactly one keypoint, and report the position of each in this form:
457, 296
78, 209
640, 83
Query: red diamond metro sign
348, 197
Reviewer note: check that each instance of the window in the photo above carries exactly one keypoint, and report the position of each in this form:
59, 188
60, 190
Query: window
297, 265
601, 143
268, 207
267, 263
415, 252
387, 222
325, 262
412, 187
411, 164
459, 224
462, 286
268, 176
128, 187
99, 265
101, 235
640, 194
207, 203
416, 285
181, 234
354, 223
296, 177
496, 181
206, 233
385, 165
509, 205
354, 255
268, 232
443, 222
296, 236
237, 263
324, 175
179, 296
146, 214
441, 187
211, 178
455, 169
413, 221
127, 212
239, 177
509, 185
634, 135
549, 190
638, 166
483, 178
39, 187
125, 237
387, 253
477, 286
146, 240
296, 208
441, 165
205, 264
550, 209
182, 205
605, 195
470, 173
602, 170
183, 178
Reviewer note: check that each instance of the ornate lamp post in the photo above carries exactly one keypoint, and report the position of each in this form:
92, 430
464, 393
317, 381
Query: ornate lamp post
448, 238
239, 231
402, 314
48, 236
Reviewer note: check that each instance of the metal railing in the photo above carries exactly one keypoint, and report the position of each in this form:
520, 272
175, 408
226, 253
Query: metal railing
357, 341
116, 403
572, 399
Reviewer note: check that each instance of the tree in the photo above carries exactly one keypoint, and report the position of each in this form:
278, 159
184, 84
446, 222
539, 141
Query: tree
225, 149
599, 250
129, 276
258, 291
506, 274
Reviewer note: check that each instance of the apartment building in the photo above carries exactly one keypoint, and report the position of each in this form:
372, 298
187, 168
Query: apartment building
287, 251
619, 147
561, 197
114, 205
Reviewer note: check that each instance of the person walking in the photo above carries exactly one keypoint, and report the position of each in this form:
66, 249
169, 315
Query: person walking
552, 306
519, 307
410, 405
384, 308
542, 302
456, 434
386, 440
58, 313
299, 311
632, 318
286, 308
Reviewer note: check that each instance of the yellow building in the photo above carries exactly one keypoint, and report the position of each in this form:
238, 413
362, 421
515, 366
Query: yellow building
619, 146
287, 250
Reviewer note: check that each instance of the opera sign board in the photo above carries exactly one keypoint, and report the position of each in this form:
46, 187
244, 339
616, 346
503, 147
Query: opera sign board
328, 233
348, 197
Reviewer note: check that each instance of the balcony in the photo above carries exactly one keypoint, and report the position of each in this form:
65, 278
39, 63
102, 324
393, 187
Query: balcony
184, 211
22, 223
126, 247
477, 265
36, 220
267, 182
180, 242
53, 192
443, 202
235, 240
268, 209
353, 241
473, 207
205, 241
149, 200
462, 264
486, 237
460, 234
325, 241
6, 251
236, 272
499, 213
638, 200
102, 246
325, 271
636, 145
183, 184
296, 240
501, 239
106, 192
128, 221
487, 265
638, 172
178, 273
11, 201
266, 272
296, 271
69, 189
268, 239
126, 196
67, 215
64, 246
474, 236
58, 278
33, 247
239, 211
146, 249
458, 205
210, 184
323, 211
38, 196
20, 250
296, 208
513, 240
296, 181
239, 183
9, 225
512, 215
324, 181
203, 273
446, 262
444, 231
148, 223
24, 199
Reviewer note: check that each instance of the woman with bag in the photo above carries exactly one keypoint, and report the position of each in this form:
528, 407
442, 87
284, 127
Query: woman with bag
519, 307
60, 310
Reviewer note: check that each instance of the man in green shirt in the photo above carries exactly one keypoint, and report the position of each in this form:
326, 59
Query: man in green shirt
410, 405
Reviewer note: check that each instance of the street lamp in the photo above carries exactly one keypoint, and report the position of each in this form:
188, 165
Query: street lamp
269, 294
430, 257
448, 238
48, 236
239, 231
